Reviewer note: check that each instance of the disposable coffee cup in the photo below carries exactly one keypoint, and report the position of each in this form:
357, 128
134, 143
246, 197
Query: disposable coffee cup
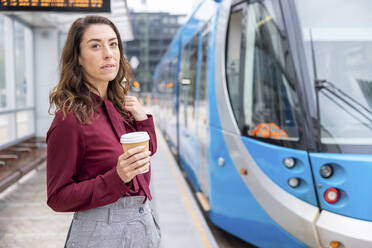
131, 140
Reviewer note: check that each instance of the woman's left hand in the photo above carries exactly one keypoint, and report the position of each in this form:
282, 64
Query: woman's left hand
135, 108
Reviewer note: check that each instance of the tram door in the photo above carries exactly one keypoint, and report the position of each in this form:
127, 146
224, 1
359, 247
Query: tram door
172, 103
188, 152
202, 113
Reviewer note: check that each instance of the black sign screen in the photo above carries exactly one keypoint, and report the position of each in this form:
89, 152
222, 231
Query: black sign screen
56, 5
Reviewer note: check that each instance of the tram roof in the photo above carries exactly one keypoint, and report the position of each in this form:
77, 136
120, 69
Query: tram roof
202, 13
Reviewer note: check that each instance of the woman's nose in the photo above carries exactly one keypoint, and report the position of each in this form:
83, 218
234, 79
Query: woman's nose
107, 52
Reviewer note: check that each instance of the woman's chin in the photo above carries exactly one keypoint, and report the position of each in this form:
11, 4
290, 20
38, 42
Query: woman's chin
110, 78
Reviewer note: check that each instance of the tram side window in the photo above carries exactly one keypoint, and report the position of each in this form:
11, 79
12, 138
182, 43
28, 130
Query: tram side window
193, 71
168, 88
183, 95
203, 69
233, 59
202, 108
173, 87
188, 91
184, 66
269, 96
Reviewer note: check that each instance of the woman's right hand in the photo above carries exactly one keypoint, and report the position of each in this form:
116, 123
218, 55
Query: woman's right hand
133, 162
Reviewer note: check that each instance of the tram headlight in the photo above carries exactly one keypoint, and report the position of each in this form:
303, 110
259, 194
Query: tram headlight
294, 182
332, 195
289, 162
326, 171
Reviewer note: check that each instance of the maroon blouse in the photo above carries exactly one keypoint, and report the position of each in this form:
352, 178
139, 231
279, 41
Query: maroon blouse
81, 160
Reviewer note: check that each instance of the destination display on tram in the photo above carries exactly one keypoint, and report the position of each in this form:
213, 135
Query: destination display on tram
56, 5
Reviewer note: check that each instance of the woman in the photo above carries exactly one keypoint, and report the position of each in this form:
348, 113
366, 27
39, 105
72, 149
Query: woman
87, 171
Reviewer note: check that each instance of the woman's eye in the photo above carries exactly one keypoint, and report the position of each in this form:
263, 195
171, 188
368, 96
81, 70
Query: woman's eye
95, 46
114, 44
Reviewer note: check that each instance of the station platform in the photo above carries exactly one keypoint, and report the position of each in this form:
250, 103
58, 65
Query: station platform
27, 221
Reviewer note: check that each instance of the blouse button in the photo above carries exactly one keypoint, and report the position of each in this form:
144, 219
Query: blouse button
141, 210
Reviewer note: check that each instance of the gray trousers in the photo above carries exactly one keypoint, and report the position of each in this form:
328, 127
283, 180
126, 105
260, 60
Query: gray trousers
126, 223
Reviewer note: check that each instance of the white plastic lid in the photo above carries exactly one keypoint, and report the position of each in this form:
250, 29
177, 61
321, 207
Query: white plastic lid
134, 137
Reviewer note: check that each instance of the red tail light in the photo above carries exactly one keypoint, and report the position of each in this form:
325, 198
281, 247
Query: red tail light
332, 195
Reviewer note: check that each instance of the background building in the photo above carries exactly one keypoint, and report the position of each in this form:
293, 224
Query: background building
153, 31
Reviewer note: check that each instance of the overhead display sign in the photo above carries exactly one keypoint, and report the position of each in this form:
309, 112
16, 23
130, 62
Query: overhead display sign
56, 5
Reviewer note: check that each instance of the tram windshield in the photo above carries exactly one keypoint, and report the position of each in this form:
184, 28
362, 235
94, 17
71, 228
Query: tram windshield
337, 36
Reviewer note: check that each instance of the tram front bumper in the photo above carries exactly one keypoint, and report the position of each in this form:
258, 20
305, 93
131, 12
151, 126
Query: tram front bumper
350, 232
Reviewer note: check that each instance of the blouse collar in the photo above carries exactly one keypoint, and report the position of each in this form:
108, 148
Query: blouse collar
97, 97
108, 104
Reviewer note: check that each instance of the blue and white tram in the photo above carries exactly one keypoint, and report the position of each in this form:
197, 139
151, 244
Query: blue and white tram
267, 104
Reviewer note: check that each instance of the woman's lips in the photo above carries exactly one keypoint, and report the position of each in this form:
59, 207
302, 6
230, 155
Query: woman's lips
108, 67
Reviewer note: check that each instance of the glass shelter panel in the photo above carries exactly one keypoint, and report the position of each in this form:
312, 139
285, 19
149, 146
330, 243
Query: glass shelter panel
16, 89
25, 121
7, 131
20, 65
2, 65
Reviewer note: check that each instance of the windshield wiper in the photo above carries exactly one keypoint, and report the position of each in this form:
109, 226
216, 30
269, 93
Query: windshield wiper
346, 99
323, 84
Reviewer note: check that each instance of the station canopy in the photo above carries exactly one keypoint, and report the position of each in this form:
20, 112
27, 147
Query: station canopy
63, 20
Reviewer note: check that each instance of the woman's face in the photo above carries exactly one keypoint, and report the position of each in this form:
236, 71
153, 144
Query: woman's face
99, 54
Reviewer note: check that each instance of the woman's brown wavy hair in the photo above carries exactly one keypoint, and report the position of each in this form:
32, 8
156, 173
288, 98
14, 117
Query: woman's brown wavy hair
72, 92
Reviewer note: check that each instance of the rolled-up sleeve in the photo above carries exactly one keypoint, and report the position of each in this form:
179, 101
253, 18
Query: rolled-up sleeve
65, 151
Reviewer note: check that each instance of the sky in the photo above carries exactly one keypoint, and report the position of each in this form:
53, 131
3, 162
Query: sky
171, 6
